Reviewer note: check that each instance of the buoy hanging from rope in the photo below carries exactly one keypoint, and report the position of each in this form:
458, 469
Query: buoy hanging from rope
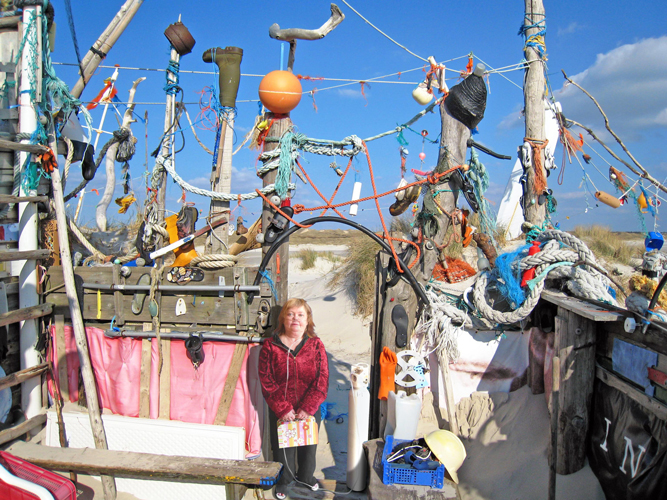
280, 91
608, 199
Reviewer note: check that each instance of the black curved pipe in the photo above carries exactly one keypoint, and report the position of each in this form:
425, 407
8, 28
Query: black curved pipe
272, 249
486, 150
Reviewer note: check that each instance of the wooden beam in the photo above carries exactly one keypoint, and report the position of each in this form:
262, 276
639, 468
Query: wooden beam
230, 383
147, 466
654, 338
145, 380
61, 355
26, 313
7, 198
591, 311
23, 428
553, 443
24, 255
19, 146
18, 377
165, 381
649, 403
9, 22
118, 296
574, 345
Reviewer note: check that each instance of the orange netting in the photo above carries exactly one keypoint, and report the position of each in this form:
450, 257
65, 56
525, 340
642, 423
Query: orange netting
456, 271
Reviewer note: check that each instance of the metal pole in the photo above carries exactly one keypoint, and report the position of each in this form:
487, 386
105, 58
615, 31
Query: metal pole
173, 288
205, 335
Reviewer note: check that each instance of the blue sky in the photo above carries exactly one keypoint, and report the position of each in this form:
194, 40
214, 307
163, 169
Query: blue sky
616, 50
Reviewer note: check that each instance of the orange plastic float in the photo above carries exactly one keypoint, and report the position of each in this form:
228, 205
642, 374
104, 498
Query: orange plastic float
280, 91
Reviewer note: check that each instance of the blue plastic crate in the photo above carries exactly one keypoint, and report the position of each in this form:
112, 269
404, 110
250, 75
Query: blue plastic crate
406, 474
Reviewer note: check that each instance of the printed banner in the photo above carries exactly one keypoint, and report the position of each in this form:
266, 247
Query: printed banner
297, 433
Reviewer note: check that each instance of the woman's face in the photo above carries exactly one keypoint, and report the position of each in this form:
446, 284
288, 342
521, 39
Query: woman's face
296, 321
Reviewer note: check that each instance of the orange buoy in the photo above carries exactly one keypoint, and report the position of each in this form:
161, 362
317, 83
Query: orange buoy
608, 199
280, 91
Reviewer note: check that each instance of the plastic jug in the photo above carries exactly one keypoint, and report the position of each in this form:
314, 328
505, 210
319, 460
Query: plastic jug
402, 415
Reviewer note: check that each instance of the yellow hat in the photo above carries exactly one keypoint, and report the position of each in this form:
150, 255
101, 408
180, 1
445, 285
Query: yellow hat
448, 449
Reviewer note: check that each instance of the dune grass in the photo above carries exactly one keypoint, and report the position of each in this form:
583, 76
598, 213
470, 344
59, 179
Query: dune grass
607, 245
308, 258
357, 275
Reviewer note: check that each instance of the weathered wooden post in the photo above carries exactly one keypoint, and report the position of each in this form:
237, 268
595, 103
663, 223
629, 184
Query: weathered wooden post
533, 92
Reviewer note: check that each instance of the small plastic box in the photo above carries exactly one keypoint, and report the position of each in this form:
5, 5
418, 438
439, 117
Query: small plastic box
60, 487
406, 474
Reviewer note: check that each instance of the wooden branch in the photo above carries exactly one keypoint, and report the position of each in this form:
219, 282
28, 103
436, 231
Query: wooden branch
24, 255
645, 174
18, 377
288, 35
26, 313
24, 427
148, 466
19, 146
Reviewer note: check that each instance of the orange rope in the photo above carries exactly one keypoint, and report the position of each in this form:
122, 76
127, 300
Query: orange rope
540, 184
328, 202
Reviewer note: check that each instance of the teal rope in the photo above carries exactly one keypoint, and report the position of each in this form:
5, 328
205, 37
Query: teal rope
288, 142
480, 180
533, 283
171, 87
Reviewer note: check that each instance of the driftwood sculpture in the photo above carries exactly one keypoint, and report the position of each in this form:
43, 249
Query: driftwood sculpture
292, 34
101, 211
398, 293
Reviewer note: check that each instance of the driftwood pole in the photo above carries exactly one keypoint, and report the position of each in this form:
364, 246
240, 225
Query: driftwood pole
533, 92
104, 43
280, 261
103, 205
452, 153
99, 436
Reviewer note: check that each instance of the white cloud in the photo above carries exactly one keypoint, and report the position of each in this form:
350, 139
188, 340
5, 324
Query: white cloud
351, 92
200, 182
513, 120
630, 84
570, 28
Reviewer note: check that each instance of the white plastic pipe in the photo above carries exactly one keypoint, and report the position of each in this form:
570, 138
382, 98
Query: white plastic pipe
37, 490
359, 401
356, 192
31, 394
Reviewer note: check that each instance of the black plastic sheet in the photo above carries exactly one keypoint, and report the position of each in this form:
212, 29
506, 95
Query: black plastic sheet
467, 101
628, 447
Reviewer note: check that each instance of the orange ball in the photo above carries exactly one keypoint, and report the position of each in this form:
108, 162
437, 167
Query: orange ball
280, 91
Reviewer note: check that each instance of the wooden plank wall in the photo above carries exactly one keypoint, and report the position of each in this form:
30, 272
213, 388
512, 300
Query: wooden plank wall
203, 308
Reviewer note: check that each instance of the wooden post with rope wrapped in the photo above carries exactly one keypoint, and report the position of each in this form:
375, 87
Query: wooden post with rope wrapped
461, 110
533, 92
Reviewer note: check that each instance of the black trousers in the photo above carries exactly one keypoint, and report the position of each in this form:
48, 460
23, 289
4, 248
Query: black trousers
299, 460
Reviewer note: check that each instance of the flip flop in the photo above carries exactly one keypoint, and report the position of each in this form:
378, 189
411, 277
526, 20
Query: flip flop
140, 296
400, 320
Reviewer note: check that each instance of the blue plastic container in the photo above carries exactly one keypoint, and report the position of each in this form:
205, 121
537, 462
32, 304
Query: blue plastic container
406, 474
653, 241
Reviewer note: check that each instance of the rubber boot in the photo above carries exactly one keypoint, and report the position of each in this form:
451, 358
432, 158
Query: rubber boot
229, 66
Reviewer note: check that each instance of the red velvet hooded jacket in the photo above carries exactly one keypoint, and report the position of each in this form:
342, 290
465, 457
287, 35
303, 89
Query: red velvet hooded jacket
292, 382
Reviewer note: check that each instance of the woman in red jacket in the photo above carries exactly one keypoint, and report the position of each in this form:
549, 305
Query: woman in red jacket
294, 373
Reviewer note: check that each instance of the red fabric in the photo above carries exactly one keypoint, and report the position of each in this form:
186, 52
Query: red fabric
294, 382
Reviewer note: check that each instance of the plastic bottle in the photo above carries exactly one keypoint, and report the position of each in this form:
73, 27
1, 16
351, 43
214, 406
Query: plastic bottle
359, 402
482, 261
402, 415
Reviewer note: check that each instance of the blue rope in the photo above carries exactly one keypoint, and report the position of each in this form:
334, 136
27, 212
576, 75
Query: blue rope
507, 276
70, 21
267, 277
171, 87
536, 40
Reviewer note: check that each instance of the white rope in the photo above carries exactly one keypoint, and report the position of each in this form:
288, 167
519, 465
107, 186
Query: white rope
167, 164
214, 261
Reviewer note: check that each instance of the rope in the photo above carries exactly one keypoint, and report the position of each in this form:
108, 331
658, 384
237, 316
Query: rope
97, 255
540, 177
214, 261
68, 160
167, 164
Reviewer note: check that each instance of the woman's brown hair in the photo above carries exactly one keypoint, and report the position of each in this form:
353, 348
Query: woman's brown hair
292, 304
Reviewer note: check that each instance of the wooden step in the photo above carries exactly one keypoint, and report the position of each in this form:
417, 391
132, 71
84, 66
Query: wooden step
148, 466
19, 146
18, 377
8, 198
25, 255
19, 430
32, 312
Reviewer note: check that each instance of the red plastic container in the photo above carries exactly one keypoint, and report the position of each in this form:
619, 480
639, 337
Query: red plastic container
60, 487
